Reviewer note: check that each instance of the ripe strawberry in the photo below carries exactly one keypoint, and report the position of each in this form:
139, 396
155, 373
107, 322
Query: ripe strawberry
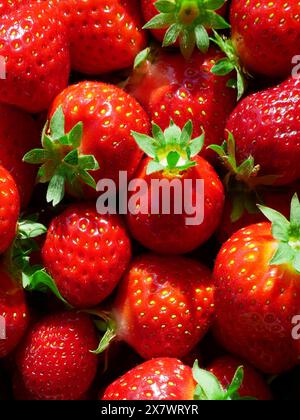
55, 354
164, 306
174, 160
257, 295
86, 254
253, 384
270, 121
98, 119
13, 309
184, 22
35, 46
167, 86
18, 133
8, 6
105, 36
9, 209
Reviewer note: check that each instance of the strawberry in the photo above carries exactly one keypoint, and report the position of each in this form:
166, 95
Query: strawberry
257, 293
169, 87
55, 354
13, 309
253, 384
93, 119
86, 254
9, 209
164, 306
184, 22
170, 379
174, 160
105, 36
8, 6
269, 120
18, 133
35, 46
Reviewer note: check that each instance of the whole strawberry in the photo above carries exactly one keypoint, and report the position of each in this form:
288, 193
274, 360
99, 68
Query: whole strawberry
13, 313
253, 384
164, 306
90, 126
270, 121
164, 225
9, 209
56, 354
168, 86
35, 46
104, 36
257, 292
86, 254
18, 133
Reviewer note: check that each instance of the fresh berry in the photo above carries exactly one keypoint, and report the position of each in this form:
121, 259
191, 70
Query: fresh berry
8, 6
18, 133
168, 86
164, 306
99, 119
13, 309
257, 292
35, 46
174, 160
253, 384
55, 360
105, 36
86, 254
9, 209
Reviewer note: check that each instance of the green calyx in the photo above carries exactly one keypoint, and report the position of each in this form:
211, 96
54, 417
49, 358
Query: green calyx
230, 63
171, 150
62, 163
188, 21
106, 324
209, 387
287, 233
242, 180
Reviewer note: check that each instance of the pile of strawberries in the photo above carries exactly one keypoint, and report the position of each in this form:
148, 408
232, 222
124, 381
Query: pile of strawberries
143, 305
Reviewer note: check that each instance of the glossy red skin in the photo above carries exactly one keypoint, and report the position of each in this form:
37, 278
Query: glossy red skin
266, 37
270, 121
149, 11
255, 302
9, 209
172, 87
18, 134
253, 384
157, 379
8, 6
277, 199
164, 306
39, 69
112, 144
169, 233
14, 309
105, 36
86, 254
55, 354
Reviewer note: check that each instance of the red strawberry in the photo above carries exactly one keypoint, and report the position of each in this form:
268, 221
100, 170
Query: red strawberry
35, 47
270, 121
174, 159
164, 306
86, 254
8, 6
13, 309
18, 133
105, 36
99, 119
55, 354
257, 273
169, 87
9, 209
253, 384
184, 22
266, 35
